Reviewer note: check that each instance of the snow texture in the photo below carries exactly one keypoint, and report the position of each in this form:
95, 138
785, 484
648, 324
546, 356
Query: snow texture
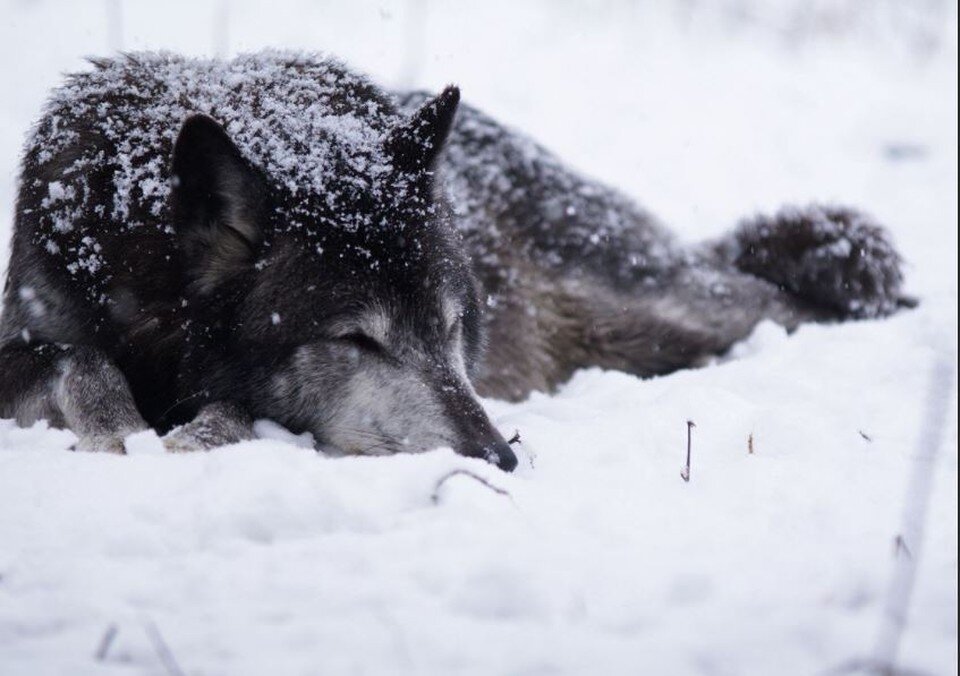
267, 558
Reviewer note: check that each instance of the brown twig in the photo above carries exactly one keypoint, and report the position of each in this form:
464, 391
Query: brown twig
750, 444
865, 436
685, 473
435, 498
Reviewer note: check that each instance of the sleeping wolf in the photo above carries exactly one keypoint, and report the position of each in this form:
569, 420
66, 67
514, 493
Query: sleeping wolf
201, 243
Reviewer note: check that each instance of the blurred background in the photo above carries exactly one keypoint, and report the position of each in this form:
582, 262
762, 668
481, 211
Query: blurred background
703, 110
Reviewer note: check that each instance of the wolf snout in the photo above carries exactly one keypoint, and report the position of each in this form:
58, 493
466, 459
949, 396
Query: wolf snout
496, 452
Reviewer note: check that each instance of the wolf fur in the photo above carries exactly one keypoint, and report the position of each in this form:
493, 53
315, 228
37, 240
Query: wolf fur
201, 243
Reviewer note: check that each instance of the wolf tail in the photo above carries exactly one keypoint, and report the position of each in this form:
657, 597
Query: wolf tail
836, 258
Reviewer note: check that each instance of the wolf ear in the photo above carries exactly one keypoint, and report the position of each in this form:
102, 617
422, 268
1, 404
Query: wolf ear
415, 144
217, 201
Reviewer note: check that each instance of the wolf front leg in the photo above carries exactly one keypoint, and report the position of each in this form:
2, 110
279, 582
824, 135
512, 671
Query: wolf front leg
72, 386
217, 424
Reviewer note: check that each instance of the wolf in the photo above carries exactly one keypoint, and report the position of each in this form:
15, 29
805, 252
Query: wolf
201, 243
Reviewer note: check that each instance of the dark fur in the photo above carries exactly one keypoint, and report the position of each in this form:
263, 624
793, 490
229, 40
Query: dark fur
576, 274
241, 296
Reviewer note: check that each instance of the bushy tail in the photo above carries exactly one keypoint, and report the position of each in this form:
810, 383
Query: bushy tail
834, 257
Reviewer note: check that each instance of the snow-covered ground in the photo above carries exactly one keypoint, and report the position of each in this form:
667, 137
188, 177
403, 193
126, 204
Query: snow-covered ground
267, 558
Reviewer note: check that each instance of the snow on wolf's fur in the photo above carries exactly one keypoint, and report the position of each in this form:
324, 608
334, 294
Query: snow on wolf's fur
269, 103
307, 122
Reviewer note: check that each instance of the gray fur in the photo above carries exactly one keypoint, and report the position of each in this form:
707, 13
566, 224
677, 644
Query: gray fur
216, 424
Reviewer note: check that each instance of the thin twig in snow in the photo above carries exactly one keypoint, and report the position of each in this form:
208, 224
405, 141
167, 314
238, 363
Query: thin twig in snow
163, 650
105, 642
464, 472
900, 547
685, 472
515, 439
750, 444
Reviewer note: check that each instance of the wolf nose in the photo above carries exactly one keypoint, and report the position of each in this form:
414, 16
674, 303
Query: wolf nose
501, 455
497, 452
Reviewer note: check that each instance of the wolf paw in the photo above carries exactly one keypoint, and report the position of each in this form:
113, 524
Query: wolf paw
217, 424
835, 257
100, 443
180, 441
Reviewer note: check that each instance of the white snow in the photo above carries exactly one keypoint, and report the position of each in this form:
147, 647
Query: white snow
266, 557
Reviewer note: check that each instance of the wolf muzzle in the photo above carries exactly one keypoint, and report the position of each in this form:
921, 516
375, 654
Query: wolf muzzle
497, 452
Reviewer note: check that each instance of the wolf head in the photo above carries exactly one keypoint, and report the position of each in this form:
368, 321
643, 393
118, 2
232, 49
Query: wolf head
346, 309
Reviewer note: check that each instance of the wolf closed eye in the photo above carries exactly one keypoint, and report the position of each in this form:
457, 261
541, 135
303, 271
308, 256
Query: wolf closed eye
199, 243
364, 342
